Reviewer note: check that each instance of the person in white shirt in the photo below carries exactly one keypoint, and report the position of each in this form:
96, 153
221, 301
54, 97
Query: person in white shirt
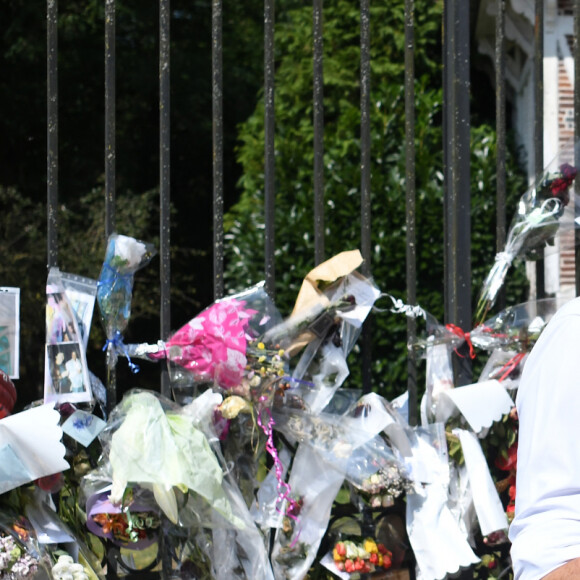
74, 370
545, 532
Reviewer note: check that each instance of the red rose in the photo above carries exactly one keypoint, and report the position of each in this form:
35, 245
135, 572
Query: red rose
559, 187
51, 483
510, 462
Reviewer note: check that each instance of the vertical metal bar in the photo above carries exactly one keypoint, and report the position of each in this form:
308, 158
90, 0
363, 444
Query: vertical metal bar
218, 147
500, 126
365, 133
539, 118
269, 160
457, 214
110, 114
576, 137
411, 260
365, 145
52, 131
318, 121
110, 162
164, 187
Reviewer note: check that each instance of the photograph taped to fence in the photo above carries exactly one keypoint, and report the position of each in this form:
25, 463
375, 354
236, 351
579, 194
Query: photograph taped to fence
81, 293
10, 331
61, 325
66, 377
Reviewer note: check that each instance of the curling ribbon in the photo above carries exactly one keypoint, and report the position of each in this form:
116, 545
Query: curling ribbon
465, 335
293, 508
510, 365
117, 343
490, 331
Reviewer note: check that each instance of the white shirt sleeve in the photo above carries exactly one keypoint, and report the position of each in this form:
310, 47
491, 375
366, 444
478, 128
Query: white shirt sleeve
545, 533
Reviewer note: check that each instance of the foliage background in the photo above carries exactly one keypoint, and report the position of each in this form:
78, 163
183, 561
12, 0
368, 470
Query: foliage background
294, 172
81, 150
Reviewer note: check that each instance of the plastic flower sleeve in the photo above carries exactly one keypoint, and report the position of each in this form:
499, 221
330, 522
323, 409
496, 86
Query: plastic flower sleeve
266, 510
124, 256
334, 437
328, 330
377, 474
535, 223
439, 544
436, 333
490, 512
223, 345
505, 366
247, 556
21, 557
158, 449
439, 379
516, 327
54, 536
315, 484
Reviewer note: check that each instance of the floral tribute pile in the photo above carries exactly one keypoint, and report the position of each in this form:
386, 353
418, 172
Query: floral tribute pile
265, 464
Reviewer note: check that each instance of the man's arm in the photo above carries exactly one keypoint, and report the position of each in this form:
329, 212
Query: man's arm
568, 571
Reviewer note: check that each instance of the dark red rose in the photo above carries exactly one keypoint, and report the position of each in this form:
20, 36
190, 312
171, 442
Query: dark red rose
559, 187
510, 462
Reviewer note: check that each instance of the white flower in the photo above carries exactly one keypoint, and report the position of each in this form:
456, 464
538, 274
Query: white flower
130, 251
66, 569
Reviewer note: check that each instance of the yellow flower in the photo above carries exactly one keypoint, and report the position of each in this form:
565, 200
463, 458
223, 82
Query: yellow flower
261, 346
370, 546
233, 406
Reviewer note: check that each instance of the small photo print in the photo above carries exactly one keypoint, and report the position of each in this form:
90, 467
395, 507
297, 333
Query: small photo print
10, 331
81, 293
66, 376
61, 323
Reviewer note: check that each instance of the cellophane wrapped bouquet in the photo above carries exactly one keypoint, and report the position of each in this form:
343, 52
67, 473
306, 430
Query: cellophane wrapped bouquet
540, 214
124, 256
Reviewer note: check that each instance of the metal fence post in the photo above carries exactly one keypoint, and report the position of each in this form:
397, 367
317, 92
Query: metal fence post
456, 148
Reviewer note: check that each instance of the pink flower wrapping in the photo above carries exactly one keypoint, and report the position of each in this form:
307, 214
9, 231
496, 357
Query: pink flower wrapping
213, 344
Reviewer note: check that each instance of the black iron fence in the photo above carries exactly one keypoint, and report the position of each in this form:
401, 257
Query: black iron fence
457, 44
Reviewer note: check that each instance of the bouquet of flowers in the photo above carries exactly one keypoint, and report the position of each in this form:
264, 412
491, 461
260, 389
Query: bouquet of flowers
15, 562
535, 223
376, 473
151, 443
21, 556
223, 346
315, 484
362, 557
124, 256
516, 327
134, 524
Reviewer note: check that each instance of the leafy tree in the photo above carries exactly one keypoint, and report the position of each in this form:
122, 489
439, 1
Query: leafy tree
81, 153
82, 227
294, 170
